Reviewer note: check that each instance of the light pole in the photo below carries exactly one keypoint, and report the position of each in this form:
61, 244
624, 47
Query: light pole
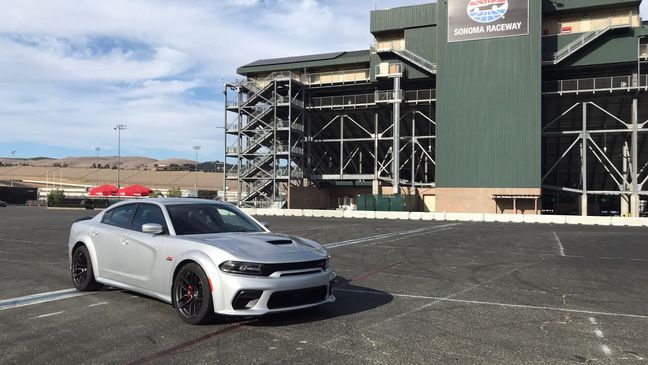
97, 165
196, 148
13, 153
119, 128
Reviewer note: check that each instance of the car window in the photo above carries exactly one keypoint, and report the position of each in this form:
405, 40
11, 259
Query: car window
209, 218
148, 213
121, 215
106, 217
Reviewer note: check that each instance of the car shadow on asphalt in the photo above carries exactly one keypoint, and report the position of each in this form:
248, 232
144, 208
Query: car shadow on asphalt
350, 299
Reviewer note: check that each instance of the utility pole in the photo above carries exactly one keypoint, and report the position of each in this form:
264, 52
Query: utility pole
196, 148
13, 153
119, 128
97, 165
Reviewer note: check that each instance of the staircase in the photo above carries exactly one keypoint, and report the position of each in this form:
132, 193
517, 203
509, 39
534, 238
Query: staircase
417, 60
584, 40
398, 48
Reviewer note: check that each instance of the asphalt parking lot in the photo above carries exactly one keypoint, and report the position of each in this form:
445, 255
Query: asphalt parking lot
410, 293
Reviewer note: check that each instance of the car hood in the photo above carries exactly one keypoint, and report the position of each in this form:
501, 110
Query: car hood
259, 244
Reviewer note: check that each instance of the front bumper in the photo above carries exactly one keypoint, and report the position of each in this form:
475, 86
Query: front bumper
226, 289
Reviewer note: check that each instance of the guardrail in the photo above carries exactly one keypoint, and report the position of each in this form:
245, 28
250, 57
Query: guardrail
336, 77
342, 101
612, 83
385, 69
388, 46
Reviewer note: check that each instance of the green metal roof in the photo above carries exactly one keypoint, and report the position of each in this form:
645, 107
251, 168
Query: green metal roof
302, 62
403, 17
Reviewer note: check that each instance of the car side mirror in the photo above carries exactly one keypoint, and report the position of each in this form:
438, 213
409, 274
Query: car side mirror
266, 224
152, 228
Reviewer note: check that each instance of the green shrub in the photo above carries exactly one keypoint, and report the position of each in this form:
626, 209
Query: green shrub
174, 192
55, 198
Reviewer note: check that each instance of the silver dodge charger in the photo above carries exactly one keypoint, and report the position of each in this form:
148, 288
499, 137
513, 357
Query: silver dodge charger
202, 256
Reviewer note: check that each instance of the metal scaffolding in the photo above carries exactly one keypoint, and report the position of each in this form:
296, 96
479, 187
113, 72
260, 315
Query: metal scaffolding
267, 133
287, 130
596, 146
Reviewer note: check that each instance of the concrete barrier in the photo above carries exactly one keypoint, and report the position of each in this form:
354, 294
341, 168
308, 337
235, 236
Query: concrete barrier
392, 215
359, 214
250, 211
465, 217
331, 213
270, 212
544, 219
630, 222
293, 212
504, 218
462, 217
576, 219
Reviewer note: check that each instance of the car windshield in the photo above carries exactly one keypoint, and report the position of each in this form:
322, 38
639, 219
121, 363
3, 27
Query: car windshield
209, 218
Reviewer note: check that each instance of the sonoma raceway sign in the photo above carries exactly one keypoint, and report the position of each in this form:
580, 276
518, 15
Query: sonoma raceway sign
483, 19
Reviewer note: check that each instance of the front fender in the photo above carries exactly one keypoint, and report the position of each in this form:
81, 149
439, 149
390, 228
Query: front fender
208, 266
87, 241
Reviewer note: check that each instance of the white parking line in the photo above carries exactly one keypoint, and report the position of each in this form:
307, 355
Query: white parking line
562, 249
40, 298
606, 349
391, 235
598, 333
96, 304
47, 315
507, 305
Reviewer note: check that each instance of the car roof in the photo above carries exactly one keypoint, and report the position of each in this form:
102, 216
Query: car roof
172, 201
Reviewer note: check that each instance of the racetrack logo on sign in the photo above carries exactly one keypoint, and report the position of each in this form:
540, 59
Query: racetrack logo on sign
484, 11
483, 19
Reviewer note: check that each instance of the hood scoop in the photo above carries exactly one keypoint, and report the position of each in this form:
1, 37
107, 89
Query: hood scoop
280, 242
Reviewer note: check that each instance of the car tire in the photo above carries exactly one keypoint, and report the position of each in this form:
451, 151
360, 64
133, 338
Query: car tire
192, 297
81, 270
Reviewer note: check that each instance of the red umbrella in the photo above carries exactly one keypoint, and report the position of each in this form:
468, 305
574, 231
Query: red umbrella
103, 190
135, 190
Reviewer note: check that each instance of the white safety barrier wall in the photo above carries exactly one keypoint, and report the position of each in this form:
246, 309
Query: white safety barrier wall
462, 217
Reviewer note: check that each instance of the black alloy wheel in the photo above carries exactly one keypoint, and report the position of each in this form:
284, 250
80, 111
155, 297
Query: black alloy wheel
192, 296
82, 272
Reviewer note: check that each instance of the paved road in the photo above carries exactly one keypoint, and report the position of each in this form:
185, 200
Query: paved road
412, 292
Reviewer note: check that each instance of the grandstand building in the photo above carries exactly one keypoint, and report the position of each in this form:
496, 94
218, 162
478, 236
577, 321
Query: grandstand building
507, 106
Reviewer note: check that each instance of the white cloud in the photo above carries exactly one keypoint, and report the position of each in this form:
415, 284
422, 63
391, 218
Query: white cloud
70, 70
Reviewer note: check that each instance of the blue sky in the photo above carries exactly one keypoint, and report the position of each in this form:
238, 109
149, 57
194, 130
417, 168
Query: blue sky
70, 70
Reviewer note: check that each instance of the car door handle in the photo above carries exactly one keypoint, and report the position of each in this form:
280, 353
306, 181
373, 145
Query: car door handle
124, 242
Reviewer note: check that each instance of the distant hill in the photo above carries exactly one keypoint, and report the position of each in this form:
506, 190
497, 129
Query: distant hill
109, 162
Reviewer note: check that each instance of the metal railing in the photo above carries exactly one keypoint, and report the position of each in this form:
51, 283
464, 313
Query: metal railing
600, 28
363, 100
388, 46
385, 69
336, 77
389, 96
419, 95
342, 101
612, 83
417, 60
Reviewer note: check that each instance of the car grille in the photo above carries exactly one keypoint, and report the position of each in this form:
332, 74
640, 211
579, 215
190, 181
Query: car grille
268, 269
294, 298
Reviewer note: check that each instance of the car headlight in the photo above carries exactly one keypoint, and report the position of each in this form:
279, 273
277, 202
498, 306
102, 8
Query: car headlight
243, 268
328, 259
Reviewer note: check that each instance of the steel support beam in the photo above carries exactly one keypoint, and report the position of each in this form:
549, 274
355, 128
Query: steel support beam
634, 200
583, 205
396, 147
